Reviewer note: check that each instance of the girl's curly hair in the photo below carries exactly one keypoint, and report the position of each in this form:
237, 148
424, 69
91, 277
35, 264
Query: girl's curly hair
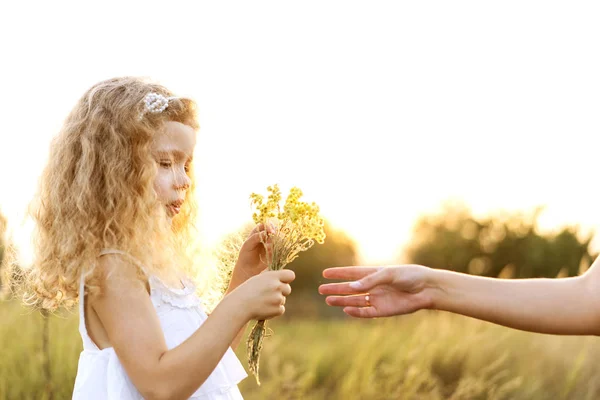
97, 192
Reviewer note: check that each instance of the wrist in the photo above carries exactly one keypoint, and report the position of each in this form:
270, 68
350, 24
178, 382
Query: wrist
436, 281
236, 307
238, 276
243, 271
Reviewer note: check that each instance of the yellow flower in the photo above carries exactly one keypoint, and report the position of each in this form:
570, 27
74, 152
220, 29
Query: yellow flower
297, 227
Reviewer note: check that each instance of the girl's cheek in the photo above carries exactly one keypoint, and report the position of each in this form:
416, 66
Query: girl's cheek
160, 185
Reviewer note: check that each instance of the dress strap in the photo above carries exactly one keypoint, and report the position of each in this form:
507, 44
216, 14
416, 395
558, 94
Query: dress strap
88, 343
129, 256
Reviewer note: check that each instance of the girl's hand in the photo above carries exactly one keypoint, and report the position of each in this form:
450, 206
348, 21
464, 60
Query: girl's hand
256, 252
379, 291
264, 295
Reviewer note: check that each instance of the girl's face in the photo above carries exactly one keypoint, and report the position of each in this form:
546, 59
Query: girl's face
173, 149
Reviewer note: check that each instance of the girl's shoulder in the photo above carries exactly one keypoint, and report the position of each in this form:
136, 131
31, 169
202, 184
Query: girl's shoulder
119, 271
115, 272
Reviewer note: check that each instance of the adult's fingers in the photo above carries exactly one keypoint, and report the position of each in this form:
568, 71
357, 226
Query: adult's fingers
346, 301
362, 312
338, 288
370, 281
349, 273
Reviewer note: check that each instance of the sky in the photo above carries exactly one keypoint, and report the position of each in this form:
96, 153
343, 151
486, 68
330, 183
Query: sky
378, 111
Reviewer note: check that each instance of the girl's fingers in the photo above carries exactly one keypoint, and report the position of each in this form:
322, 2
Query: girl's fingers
269, 251
256, 229
260, 227
266, 237
286, 275
362, 312
254, 239
349, 273
345, 301
263, 236
259, 239
286, 290
338, 288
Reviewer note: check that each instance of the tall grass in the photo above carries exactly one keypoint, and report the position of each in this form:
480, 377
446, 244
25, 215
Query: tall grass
22, 359
425, 356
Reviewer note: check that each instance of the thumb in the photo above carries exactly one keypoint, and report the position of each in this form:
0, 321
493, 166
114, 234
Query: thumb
370, 281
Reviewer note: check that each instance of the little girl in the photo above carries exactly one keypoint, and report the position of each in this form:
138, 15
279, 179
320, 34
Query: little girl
114, 217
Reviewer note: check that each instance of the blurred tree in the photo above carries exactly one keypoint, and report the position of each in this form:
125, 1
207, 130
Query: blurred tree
337, 251
502, 245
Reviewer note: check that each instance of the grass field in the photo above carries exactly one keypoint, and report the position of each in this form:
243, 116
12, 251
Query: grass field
425, 356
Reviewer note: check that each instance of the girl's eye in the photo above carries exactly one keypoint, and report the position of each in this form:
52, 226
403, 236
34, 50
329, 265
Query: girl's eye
187, 168
165, 164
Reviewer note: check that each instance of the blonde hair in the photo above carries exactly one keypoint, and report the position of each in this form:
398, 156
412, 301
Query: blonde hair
97, 192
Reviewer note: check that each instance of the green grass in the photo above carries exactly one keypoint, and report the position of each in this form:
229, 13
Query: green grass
22, 358
425, 356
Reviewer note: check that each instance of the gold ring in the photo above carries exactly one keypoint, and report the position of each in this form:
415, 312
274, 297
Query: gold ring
367, 298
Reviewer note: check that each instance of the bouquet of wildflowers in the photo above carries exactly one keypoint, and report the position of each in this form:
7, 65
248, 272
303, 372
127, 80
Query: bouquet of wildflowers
298, 226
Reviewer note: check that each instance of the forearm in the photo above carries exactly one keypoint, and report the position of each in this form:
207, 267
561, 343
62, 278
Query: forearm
556, 306
184, 368
238, 277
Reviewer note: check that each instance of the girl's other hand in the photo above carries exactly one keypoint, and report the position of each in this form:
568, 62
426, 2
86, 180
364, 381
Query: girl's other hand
379, 291
264, 294
256, 252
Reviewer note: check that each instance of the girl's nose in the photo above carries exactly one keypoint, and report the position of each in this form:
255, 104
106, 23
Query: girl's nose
183, 182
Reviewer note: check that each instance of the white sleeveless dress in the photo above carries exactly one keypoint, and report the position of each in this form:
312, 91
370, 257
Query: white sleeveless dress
100, 374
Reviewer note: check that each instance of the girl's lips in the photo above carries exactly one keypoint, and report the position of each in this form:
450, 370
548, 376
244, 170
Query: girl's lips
175, 207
